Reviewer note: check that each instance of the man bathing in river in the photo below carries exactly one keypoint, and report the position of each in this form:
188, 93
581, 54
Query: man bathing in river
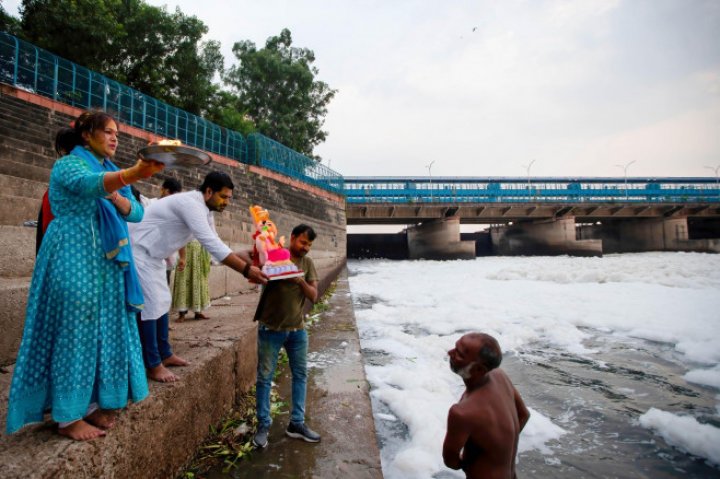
484, 426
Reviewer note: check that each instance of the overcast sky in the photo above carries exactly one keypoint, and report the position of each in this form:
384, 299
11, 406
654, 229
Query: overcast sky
485, 87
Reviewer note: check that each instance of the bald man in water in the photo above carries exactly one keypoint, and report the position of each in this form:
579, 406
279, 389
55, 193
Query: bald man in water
484, 426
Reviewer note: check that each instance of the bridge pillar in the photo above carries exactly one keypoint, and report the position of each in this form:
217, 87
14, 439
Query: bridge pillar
553, 237
648, 234
439, 239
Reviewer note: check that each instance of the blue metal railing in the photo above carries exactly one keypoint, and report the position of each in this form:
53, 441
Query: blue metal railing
263, 151
33, 69
543, 190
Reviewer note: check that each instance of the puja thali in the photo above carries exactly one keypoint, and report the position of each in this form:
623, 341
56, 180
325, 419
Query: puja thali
175, 156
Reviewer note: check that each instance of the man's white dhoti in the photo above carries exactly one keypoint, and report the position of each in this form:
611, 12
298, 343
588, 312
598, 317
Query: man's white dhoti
153, 281
168, 225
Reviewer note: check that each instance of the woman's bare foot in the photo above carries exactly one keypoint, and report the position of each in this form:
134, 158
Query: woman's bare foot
161, 374
175, 360
201, 316
180, 318
102, 418
81, 431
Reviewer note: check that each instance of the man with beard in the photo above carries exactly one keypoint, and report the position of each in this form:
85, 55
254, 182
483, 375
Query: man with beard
282, 325
168, 225
484, 426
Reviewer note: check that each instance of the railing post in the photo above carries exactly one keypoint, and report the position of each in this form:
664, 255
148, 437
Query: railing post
35, 79
105, 88
55, 78
144, 111
74, 73
89, 102
17, 61
132, 109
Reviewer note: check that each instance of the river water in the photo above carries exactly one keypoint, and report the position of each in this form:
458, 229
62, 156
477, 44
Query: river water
617, 358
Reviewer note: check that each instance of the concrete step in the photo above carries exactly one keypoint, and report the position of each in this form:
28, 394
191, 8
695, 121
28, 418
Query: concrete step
16, 209
15, 186
13, 301
43, 159
17, 251
11, 142
12, 116
18, 129
18, 105
22, 170
223, 356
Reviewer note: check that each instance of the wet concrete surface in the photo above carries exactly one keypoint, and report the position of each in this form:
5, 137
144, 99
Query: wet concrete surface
338, 408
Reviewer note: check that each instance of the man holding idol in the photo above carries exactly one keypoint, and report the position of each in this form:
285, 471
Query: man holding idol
169, 224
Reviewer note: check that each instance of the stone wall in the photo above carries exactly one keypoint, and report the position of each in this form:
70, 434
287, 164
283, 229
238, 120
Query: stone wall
28, 124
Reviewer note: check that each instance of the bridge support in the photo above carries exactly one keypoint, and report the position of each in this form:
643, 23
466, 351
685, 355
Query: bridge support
648, 234
439, 239
554, 237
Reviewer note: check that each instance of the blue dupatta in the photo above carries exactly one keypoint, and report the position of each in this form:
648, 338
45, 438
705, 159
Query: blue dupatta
114, 232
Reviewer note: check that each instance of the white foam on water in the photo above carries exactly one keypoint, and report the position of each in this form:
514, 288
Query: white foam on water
684, 433
420, 308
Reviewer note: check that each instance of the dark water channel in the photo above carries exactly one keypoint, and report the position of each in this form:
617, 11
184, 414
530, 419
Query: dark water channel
598, 401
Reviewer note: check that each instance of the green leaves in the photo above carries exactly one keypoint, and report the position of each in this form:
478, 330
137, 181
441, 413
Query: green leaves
277, 89
273, 90
148, 48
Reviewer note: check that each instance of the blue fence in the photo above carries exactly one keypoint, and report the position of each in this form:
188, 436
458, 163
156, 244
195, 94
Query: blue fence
33, 69
544, 190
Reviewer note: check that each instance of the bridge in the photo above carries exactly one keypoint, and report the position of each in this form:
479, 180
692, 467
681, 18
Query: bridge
559, 215
500, 200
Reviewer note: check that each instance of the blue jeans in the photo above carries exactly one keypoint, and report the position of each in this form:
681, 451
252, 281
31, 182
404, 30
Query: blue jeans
155, 340
269, 344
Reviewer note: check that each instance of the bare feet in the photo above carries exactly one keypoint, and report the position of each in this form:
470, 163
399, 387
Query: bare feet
81, 431
201, 316
175, 360
103, 418
161, 374
180, 318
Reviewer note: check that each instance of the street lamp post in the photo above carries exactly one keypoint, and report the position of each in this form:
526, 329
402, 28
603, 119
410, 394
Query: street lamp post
527, 169
717, 178
625, 168
429, 168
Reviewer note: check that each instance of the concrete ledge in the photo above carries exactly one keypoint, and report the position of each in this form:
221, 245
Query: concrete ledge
17, 251
156, 437
13, 301
338, 407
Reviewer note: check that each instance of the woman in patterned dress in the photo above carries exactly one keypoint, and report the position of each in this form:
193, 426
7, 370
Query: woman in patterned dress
190, 288
80, 356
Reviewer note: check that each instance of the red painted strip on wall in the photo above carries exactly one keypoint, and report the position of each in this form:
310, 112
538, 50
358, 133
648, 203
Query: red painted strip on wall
53, 105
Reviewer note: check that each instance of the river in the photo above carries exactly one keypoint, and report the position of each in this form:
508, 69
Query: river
617, 358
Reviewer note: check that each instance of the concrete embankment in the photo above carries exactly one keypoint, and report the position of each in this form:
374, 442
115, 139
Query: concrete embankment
338, 407
157, 437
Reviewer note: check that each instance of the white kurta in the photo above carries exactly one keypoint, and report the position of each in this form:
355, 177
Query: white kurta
168, 225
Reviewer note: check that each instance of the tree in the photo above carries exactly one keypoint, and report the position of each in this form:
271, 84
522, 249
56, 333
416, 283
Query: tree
144, 47
8, 23
276, 87
225, 110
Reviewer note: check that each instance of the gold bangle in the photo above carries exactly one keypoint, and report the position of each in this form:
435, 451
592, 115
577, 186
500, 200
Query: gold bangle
122, 177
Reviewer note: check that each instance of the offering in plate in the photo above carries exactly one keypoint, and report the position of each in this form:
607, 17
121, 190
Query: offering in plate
174, 154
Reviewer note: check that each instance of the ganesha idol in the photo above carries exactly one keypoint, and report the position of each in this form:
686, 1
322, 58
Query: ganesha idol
268, 251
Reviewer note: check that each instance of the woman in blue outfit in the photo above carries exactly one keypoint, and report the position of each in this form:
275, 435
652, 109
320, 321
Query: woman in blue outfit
80, 355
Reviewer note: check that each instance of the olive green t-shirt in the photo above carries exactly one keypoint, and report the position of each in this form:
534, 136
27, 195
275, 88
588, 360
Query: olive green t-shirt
281, 302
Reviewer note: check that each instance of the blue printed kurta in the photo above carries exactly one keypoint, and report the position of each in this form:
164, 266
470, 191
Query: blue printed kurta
80, 344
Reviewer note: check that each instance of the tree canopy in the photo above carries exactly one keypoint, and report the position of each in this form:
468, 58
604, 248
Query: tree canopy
145, 47
277, 89
272, 90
